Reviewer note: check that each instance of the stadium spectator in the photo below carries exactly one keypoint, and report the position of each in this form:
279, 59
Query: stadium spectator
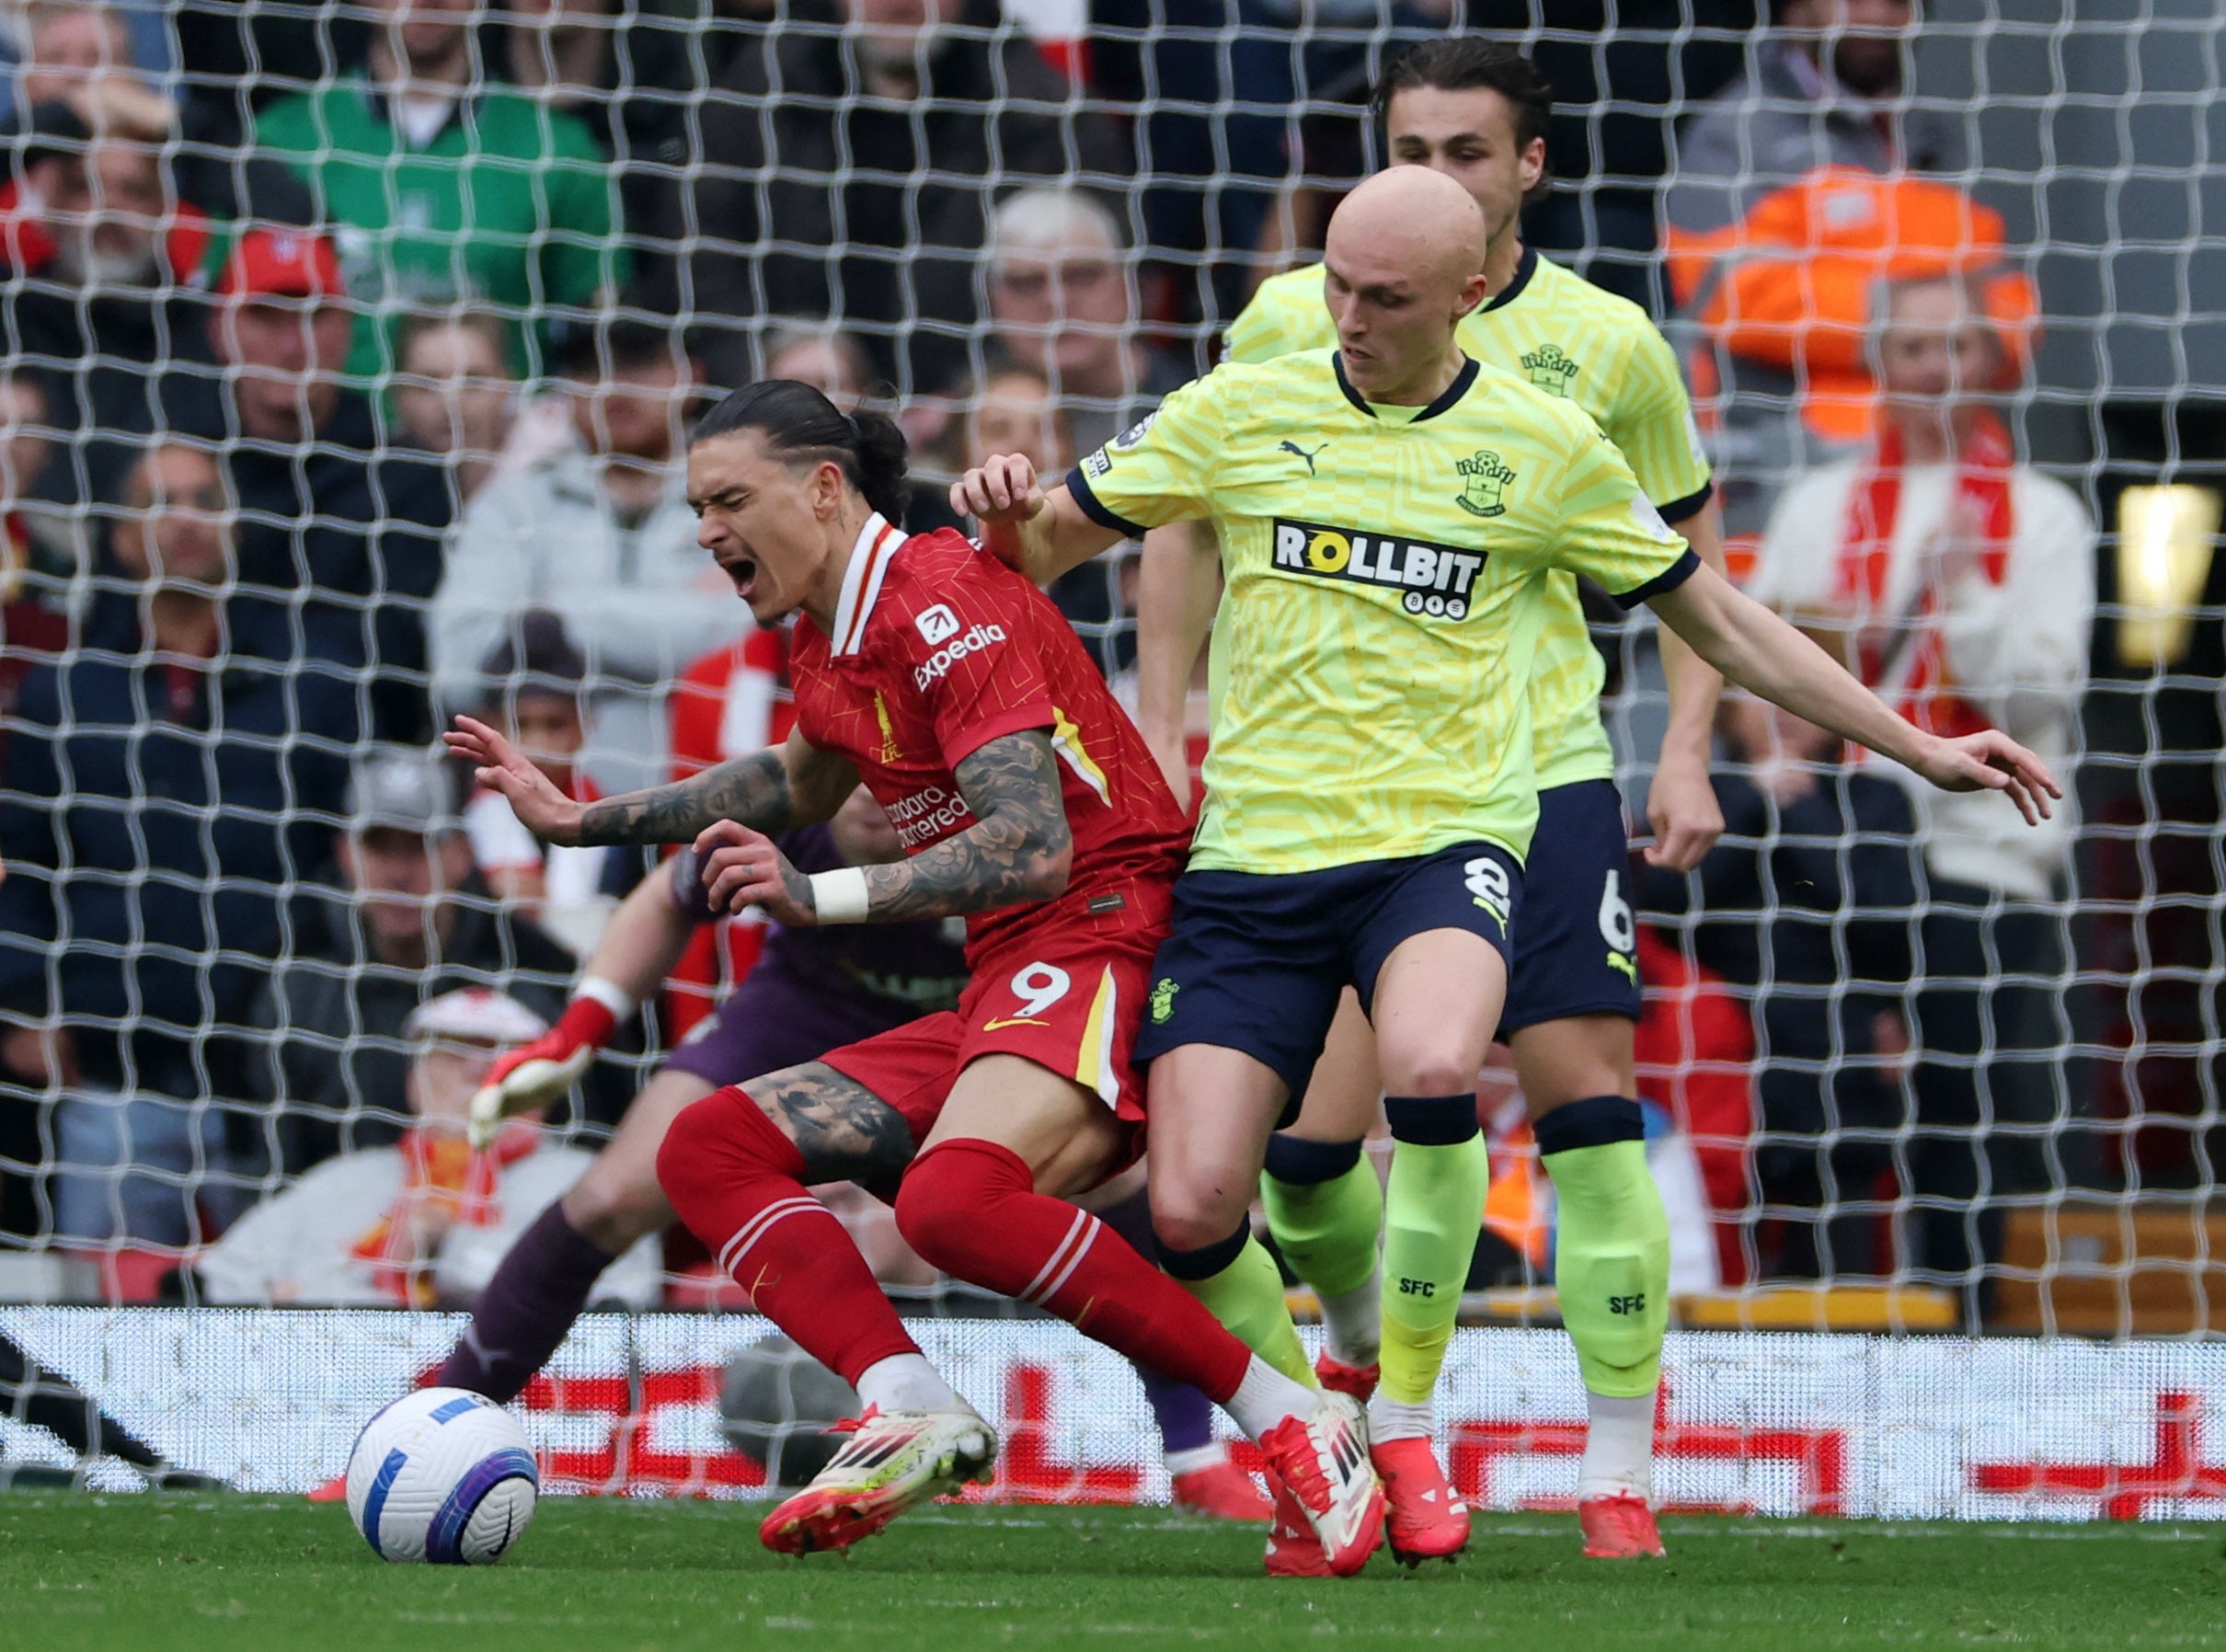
1013, 409
340, 544
236, 61
1805, 903
1794, 191
103, 251
1223, 92
33, 585
447, 188
422, 1223
943, 101
160, 799
601, 535
532, 683
1064, 302
455, 396
1619, 70
87, 57
408, 921
1959, 584
34, 628
821, 355
628, 72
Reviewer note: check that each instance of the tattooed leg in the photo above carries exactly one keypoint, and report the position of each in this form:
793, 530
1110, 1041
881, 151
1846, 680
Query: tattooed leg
735, 1166
842, 1132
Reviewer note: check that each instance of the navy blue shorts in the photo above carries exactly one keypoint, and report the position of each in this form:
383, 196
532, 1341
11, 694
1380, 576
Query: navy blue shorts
1255, 962
1576, 946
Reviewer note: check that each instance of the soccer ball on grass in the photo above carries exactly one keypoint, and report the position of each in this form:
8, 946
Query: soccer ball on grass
442, 1475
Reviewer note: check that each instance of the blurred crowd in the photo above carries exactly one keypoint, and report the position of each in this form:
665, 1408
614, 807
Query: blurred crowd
349, 358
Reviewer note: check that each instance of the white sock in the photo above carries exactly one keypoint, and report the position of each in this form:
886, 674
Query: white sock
1196, 1458
1266, 1397
906, 1383
1354, 1320
1619, 1447
1394, 1419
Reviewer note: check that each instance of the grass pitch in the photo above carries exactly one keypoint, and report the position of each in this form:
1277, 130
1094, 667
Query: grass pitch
240, 1574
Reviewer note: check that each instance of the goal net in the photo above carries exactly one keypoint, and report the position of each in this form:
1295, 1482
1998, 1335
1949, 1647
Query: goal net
346, 365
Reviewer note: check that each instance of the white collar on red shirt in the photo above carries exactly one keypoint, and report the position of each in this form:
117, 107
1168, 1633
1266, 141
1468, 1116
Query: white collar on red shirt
869, 560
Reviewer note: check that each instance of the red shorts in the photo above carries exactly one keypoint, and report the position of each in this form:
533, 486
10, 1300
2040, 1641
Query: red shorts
1070, 1002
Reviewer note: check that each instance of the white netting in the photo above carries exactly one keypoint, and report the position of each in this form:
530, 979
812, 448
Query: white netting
2009, 1099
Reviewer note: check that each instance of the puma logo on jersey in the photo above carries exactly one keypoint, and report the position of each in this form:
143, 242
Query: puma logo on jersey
1617, 961
1292, 447
1439, 580
939, 664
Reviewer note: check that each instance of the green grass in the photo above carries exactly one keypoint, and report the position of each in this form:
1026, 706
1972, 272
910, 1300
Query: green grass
239, 1573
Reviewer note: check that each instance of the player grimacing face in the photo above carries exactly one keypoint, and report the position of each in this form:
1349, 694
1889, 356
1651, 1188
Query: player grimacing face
1470, 136
765, 519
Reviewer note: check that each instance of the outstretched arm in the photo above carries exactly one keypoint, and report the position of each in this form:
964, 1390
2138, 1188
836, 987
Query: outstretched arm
1755, 648
1041, 534
792, 784
1682, 805
1019, 851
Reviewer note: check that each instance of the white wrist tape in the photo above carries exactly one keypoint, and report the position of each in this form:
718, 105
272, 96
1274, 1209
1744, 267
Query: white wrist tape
840, 896
607, 992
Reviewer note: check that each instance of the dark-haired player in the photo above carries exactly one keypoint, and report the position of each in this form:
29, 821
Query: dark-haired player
1476, 110
1023, 799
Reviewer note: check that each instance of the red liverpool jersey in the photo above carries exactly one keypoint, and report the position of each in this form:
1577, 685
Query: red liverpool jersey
939, 649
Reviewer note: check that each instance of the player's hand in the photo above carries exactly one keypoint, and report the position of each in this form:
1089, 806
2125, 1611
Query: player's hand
1171, 752
535, 1076
1001, 488
499, 767
1991, 761
1682, 809
741, 868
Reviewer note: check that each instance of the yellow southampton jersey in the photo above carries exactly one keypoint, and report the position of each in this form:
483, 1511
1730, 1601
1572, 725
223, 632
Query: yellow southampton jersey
1559, 332
1387, 577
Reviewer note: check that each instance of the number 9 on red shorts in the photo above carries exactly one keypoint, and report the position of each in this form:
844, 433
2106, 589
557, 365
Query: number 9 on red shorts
1070, 1004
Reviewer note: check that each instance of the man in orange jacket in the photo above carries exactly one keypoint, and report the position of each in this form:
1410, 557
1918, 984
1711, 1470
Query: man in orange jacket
1796, 192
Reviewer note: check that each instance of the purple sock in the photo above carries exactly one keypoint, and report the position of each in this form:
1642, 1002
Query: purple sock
1185, 1416
536, 1294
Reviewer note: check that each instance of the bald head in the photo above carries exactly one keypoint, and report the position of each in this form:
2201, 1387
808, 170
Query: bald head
1402, 264
1414, 219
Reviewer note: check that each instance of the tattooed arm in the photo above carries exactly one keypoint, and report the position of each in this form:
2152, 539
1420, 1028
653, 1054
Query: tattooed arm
792, 784
1018, 850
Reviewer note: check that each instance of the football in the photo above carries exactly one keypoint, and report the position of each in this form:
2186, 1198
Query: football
442, 1476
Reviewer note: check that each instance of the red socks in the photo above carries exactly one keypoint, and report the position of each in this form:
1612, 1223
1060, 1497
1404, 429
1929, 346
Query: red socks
969, 1206
738, 1183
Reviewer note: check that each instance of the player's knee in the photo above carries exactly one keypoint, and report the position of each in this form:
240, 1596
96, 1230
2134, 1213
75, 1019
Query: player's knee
1184, 1221
703, 1147
1447, 1069
943, 1207
615, 1212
